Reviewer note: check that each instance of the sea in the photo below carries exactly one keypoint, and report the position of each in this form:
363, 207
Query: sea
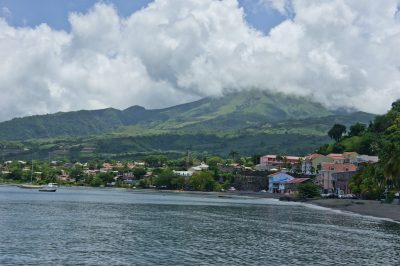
100, 226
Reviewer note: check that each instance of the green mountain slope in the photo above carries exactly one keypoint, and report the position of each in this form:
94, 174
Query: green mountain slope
236, 110
232, 112
78, 123
249, 122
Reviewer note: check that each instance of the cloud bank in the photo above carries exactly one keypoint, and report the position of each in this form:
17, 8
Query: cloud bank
340, 53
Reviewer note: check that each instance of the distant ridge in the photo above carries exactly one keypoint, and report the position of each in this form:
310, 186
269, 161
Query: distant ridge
251, 122
232, 112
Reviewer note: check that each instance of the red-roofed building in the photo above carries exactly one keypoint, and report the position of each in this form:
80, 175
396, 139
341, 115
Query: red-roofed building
335, 176
107, 166
292, 186
312, 163
351, 157
337, 158
274, 159
268, 160
338, 167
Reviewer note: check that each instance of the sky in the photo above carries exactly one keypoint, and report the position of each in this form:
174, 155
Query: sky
83, 54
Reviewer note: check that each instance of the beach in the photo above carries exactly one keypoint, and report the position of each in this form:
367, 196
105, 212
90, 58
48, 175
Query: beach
372, 208
364, 207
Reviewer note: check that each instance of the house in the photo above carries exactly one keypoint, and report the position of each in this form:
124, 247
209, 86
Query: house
91, 172
337, 157
311, 164
106, 167
126, 178
184, 173
201, 167
367, 159
141, 164
267, 162
341, 180
65, 178
328, 177
274, 159
276, 182
293, 185
350, 156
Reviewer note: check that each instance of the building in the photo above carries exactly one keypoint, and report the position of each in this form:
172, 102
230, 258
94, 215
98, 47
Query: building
201, 167
311, 164
350, 156
292, 186
341, 180
276, 182
328, 177
275, 160
337, 157
184, 173
367, 159
268, 162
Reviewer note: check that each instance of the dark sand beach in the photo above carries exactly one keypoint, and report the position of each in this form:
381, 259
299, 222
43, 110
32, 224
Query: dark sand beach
364, 207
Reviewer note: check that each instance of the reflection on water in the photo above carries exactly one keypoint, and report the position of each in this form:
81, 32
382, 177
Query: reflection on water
111, 227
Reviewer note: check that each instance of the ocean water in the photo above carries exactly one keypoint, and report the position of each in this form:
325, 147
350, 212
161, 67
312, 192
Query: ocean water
77, 226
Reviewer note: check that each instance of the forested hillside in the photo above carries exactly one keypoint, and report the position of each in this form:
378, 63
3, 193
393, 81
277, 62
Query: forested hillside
382, 138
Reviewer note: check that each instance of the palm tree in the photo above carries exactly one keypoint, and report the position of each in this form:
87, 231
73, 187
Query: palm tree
392, 169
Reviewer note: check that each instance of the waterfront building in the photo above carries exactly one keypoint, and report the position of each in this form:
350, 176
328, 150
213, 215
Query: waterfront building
276, 182
335, 176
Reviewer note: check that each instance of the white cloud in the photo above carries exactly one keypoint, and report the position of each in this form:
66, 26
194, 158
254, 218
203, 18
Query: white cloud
340, 53
283, 6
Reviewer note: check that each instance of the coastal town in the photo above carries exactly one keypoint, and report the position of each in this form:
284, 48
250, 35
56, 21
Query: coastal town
278, 174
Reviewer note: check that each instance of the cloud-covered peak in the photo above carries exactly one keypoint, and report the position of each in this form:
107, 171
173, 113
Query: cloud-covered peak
340, 53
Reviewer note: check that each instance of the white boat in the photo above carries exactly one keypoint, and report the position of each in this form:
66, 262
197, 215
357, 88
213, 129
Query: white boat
50, 187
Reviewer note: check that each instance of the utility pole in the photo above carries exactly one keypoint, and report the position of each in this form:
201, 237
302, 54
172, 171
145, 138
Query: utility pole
4, 152
187, 159
32, 172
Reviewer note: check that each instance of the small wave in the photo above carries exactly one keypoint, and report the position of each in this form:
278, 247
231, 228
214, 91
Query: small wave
317, 207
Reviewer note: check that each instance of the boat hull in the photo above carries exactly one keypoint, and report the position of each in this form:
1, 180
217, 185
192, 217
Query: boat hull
47, 190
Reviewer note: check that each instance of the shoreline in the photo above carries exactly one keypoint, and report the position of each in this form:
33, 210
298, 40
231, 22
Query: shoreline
372, 208
369, 208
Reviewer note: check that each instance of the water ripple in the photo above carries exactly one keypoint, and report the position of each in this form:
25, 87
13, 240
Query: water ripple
94, 227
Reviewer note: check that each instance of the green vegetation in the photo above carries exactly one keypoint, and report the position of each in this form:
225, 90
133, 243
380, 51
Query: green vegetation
203, 181
154, 172
309, 190
337, 132
382, 138
247, 122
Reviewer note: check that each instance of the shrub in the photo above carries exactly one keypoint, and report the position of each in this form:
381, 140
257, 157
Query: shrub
308, 190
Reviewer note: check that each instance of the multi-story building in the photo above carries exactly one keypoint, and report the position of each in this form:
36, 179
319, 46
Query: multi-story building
311, 164
335, 176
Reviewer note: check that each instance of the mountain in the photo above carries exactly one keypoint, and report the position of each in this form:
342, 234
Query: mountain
234, 111
250, 122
